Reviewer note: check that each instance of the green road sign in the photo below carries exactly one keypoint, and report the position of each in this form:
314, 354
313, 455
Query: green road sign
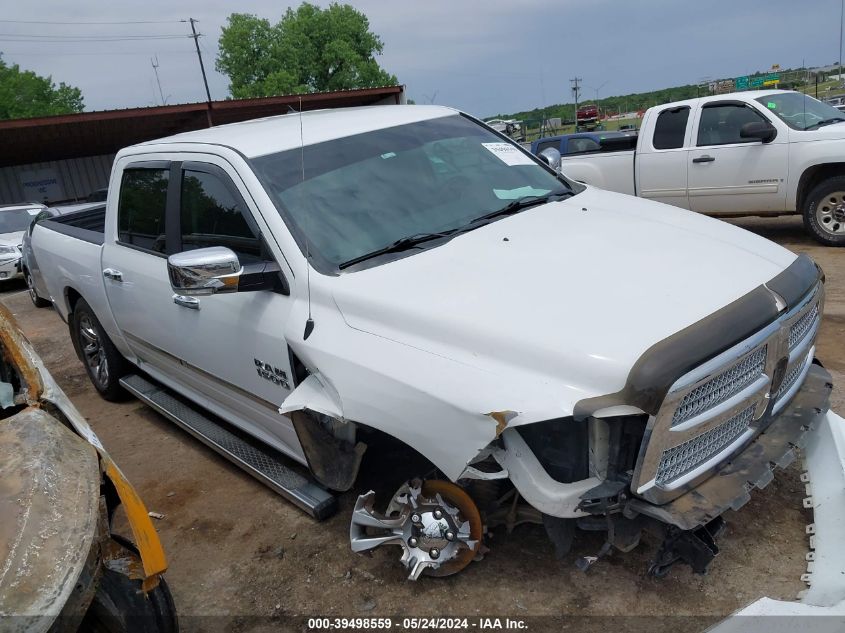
757, 81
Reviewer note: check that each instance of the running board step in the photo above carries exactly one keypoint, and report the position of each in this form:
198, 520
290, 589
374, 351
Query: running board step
264, 464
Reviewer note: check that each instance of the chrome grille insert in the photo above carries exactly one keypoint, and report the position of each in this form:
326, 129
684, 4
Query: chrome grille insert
803, 325
722, 387
791, 376
681, 459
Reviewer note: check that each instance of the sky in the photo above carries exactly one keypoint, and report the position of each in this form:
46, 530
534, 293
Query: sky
485, 58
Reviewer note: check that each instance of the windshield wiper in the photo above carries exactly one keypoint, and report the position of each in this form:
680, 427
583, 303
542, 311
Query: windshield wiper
402, 244
515, 206
410, 241
824, 122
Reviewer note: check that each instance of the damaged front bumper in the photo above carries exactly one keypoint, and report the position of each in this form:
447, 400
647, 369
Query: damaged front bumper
821, 608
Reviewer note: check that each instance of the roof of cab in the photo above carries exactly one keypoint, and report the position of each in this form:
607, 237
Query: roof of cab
747, 94
269, 135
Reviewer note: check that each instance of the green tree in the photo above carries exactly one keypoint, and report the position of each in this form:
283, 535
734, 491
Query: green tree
23, 94
309, 50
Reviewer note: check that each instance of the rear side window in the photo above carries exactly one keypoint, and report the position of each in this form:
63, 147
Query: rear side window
582, 145
141, 208
670, 128
212, 215
555, 144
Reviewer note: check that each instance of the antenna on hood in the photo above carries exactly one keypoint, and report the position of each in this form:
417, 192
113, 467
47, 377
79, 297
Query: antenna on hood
309, 323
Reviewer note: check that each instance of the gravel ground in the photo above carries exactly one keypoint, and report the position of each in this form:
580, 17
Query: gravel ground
243, 559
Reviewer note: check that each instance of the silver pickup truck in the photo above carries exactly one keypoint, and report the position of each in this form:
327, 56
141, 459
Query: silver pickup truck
405, 286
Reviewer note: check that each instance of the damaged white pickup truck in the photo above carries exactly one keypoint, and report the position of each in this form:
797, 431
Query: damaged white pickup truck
353, 285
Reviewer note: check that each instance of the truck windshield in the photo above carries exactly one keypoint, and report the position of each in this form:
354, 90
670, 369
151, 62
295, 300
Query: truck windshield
15, 220
363, 193
800, 111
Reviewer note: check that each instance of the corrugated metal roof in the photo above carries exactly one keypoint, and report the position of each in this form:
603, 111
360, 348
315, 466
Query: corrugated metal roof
42, 139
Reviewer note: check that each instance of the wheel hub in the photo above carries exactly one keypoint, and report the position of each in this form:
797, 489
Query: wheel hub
830, 213
435, 523
92, 349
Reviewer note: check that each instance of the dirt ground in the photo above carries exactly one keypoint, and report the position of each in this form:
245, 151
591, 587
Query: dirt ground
243, 559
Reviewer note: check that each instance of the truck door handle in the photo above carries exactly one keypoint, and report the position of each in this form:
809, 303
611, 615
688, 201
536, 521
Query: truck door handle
187, 302
703, 159
114, 275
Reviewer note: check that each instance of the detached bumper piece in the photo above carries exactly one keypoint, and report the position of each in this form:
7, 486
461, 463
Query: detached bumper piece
729, 488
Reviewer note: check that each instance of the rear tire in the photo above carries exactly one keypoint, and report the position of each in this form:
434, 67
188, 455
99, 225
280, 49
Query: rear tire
37, 301
102, 361
824, 212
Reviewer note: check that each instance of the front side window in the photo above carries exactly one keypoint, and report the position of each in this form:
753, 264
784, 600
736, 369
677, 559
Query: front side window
212, 215
800, 111
670, 128
364, 192
722, 124
141, 208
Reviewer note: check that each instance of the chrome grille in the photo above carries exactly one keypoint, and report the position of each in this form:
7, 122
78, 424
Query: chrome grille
792, 375
803, 325
722, 387
713, 408
683, 458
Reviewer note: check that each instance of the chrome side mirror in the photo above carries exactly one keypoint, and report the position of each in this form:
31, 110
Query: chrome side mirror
551, 156
204, 271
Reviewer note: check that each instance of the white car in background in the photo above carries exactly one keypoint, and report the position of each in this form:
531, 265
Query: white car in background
14, 222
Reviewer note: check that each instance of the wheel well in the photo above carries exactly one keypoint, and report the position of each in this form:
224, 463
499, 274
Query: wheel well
71, 298
812, 176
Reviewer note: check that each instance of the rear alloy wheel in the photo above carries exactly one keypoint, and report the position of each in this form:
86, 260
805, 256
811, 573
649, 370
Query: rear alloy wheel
37, 301
104, 364
824, 212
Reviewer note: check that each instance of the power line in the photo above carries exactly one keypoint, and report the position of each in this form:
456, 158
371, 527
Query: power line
88, 37
5, 38
92, 23
144, 53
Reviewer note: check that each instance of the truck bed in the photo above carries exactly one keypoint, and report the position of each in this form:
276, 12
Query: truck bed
88, 225
613, 171
68, 249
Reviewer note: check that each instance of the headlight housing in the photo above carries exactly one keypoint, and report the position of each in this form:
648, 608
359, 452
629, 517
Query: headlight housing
8, 250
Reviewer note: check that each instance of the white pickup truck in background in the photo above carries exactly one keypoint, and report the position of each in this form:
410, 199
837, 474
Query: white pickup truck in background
404, 286
766, 153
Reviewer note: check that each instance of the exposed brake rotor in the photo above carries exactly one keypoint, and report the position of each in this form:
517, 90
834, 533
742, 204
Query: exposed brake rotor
435, 522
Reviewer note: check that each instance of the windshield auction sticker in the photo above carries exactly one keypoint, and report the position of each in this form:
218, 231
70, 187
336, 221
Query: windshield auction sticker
508, 154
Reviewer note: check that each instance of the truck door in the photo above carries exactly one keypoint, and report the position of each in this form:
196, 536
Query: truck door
227, 350
731, 174
661, 158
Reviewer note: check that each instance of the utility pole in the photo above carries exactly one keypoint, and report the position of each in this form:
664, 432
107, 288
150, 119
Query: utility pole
155, 64
195, 37
576, 92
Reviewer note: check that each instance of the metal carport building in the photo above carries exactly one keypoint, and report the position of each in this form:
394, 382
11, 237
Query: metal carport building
64, 158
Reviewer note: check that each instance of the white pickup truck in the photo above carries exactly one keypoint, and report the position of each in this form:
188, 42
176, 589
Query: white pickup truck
766, 153
405, 286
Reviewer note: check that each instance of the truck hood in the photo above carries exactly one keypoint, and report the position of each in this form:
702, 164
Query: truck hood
832, 132
569, 294
11, 239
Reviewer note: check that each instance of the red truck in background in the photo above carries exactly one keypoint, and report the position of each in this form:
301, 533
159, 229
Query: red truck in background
587, 117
